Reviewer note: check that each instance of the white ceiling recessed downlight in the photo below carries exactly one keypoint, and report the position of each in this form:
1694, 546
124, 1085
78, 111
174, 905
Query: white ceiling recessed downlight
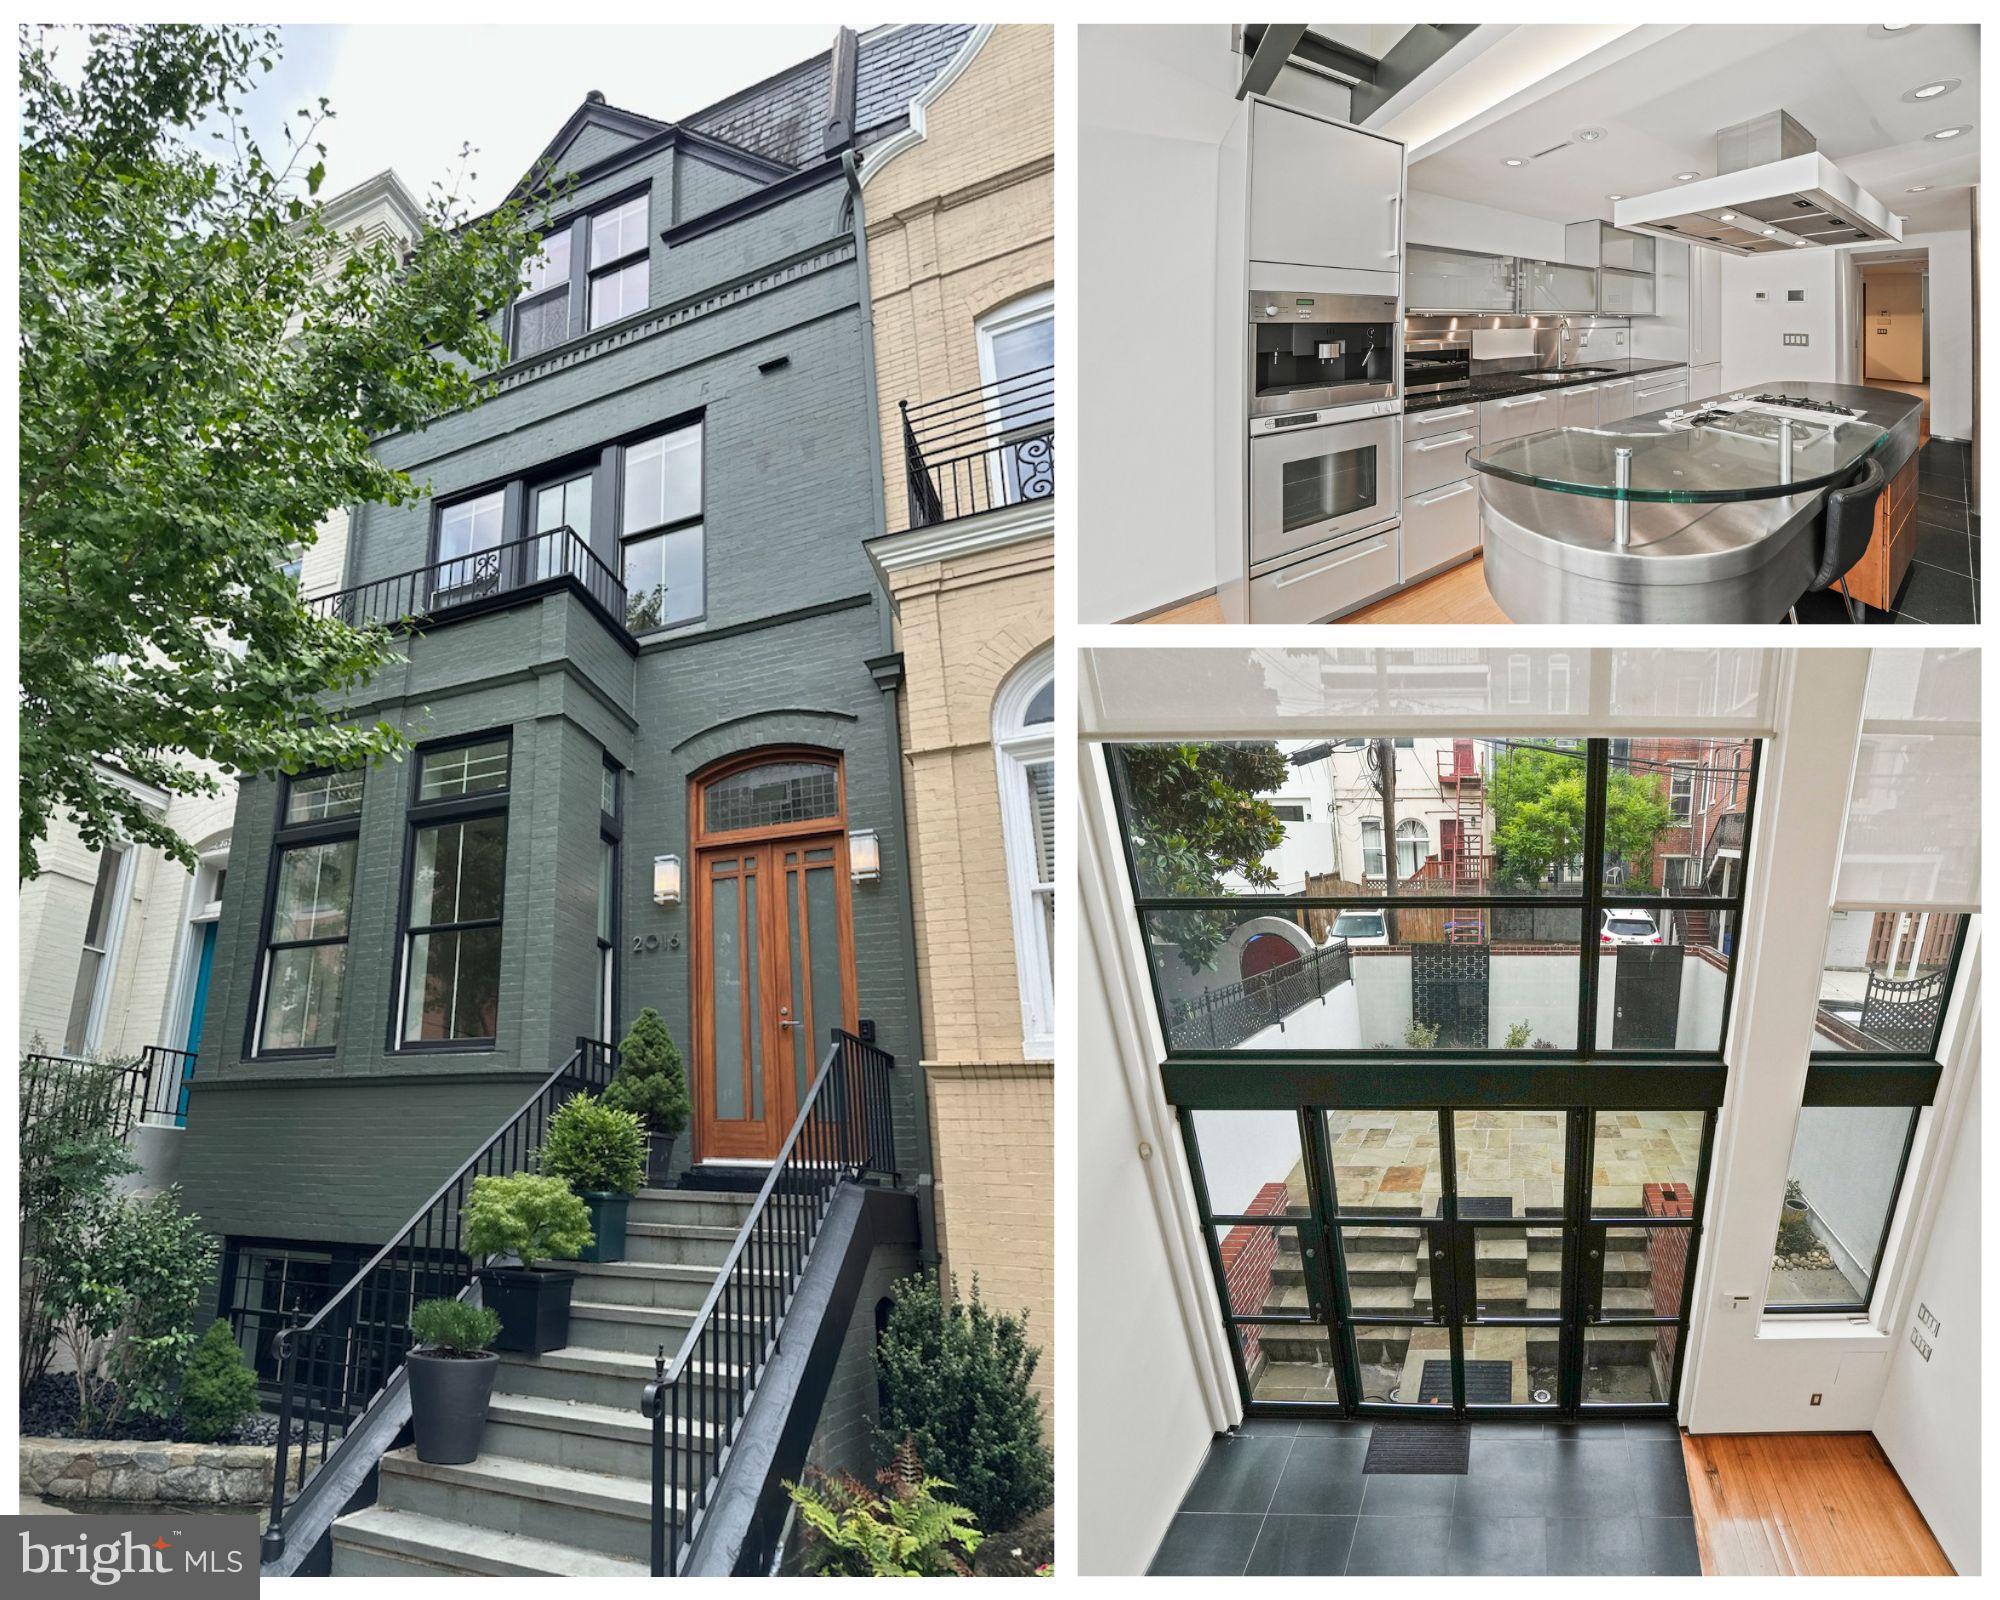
1952, 133
1587, 135
1931, 91
1686, 177
1614, 197
1514, 161
1888, 30
1918, 188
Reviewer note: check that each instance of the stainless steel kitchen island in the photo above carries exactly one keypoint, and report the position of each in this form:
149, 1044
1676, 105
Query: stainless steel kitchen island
1702, 513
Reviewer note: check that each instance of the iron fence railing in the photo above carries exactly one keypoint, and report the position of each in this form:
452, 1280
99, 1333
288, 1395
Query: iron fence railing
339, 1363
981, 448
79, 1093
843, 1133
1223, 1018
482, 579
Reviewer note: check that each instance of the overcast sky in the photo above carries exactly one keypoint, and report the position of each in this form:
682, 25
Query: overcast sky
408, 97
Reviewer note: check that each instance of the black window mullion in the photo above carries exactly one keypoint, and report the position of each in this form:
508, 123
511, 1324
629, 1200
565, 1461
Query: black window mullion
1596, 780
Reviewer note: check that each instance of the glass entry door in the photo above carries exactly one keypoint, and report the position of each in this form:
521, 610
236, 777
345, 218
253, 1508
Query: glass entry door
1468, 1261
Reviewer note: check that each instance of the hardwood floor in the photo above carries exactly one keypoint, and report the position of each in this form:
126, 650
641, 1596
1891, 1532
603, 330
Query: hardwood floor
1921, 391
1457, 596
1804, 1505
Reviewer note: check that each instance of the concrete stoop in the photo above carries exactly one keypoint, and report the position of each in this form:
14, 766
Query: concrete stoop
563, 1483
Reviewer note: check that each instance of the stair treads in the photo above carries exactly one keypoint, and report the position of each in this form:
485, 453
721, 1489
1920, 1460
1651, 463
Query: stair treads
1487, 1383
1412, 1447
1485, 1208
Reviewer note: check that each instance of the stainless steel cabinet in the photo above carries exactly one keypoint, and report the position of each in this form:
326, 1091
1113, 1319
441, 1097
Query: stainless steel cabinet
1428, 463
1704, 308
1659, 391
1705, 382
1333, 580
1614, 400
1579, 406
1438, 279
1440, 527
1625, 294
1322, 195
1509, 419
1557, 286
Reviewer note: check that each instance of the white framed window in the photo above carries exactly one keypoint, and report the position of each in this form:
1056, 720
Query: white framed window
1373, 863
1017, 352
1413, 847
1024, 752
103, 931
1680, 792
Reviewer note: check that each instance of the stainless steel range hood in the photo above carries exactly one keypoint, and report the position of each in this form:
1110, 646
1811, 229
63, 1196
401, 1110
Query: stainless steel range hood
1772, 191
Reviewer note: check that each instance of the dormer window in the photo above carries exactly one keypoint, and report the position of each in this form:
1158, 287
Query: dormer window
592, 270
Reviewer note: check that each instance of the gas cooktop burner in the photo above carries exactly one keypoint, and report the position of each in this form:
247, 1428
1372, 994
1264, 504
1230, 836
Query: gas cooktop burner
1791, 404
1709, 419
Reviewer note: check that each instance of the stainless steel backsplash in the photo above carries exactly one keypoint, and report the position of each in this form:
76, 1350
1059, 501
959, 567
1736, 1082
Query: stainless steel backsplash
1591, 338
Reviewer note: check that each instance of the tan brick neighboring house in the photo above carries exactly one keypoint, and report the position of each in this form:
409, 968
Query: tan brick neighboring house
113, 942
961, 250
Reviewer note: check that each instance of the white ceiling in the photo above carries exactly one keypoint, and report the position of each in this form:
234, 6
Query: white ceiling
1661, 104
1370, 38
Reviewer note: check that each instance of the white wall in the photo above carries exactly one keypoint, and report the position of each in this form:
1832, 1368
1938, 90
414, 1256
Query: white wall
1155, 104
1141, 1424
1951, 293
1928, 1422
1460, 225
1753, 349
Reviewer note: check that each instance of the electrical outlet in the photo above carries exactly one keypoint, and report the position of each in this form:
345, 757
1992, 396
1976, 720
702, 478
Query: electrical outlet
1815, 1400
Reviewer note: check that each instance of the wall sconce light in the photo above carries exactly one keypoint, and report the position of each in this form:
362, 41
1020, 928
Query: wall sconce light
666, 880
864, 855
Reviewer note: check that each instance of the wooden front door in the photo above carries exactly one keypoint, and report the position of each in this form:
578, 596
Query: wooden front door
773, 967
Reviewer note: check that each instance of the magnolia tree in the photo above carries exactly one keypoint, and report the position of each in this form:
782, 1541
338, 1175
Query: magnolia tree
203, 364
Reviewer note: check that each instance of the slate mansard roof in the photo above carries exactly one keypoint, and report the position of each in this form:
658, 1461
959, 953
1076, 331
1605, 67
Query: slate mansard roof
783, 117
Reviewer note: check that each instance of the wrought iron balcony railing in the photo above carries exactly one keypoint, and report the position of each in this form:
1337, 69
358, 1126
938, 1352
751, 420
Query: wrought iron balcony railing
484, 580
980, 449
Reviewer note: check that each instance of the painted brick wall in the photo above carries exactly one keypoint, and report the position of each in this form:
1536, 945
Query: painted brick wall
1249, 1257
843, 1439
1666, 1256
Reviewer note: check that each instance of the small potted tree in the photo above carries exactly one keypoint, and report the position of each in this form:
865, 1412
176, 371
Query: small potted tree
530, 1219
600, 1153
652, 1085
451, 1378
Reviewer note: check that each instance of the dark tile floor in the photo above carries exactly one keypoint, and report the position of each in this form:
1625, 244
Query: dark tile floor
1943, 581
1566, 1500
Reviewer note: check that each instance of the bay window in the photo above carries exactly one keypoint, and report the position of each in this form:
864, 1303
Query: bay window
304, 976
456, 870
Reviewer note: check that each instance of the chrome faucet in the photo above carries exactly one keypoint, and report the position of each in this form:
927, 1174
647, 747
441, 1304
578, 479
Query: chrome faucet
1562, 342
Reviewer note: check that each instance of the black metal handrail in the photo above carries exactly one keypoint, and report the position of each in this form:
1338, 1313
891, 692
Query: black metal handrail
1223, 1018
333, 1368
980, 448
481, 579
843, 1133
120, 1093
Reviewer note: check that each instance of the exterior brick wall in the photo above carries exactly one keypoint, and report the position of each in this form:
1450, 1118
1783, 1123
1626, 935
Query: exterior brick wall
1666, 1256
843, 1439
959, 224
1249, 1257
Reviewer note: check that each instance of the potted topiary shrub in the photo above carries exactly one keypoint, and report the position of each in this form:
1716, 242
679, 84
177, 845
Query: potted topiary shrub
451, 1378
529, 1219
600, 1152
652, 1085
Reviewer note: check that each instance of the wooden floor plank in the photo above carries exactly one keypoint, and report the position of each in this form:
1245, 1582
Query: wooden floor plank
1804, 1505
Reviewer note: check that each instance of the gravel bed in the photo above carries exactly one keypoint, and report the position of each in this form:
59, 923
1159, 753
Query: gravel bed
49, 1411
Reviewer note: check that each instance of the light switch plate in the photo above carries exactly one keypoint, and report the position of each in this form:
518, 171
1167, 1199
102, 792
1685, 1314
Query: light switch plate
1796, 338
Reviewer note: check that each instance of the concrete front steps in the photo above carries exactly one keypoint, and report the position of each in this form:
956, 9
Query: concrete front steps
563, 1483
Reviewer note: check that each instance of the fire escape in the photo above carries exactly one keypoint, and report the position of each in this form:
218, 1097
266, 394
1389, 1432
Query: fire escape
1465, 858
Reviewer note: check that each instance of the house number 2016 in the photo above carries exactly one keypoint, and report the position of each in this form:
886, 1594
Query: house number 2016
645, 943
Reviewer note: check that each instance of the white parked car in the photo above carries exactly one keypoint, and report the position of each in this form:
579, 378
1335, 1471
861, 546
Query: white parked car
1362, 927
1628, 927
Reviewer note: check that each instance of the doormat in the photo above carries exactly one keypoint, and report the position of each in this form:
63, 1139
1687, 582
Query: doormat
1487, 1383
1485, 1208
1409, 1447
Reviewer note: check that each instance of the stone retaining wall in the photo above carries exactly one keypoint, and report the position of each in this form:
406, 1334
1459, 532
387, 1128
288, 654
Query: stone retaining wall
115, 1469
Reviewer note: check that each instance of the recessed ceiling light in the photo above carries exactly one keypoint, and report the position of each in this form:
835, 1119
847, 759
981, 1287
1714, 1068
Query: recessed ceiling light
1587, 135
1614, 197
1952, 133
1798, 242
1684, 177
1769, 231
1727, 216
1514, 161
1894, 27
1931, 91
1917, 188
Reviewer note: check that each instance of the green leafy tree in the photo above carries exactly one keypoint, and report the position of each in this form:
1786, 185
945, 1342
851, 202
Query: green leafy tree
202, 365
651, 1082
219, 1391
525, 1216
1197, 818
955, 1380
906, 1531
1538, 812
593, 1147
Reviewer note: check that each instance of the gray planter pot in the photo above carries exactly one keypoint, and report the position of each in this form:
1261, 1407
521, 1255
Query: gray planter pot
532, 1304
448, 1397
659, 1158
607, 1225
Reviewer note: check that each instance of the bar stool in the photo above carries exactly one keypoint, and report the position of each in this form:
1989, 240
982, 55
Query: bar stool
1846, 526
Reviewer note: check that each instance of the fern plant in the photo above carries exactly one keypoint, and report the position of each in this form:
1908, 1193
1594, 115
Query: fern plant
906, 1531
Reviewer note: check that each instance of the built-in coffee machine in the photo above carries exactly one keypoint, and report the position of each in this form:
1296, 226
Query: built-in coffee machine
1311, 351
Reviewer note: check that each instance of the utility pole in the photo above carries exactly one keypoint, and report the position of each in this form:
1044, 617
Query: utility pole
1385, 782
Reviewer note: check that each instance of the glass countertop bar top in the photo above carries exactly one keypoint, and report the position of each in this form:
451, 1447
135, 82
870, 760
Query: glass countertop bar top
1733, 456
